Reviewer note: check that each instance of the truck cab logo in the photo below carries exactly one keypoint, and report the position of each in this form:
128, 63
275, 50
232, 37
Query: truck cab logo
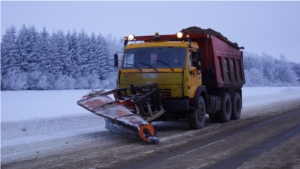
150, 75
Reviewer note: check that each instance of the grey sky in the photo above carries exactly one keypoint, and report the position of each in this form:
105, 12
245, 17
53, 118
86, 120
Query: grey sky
270, 27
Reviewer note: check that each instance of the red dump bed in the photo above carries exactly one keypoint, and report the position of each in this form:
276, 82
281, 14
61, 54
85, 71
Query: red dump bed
222, 60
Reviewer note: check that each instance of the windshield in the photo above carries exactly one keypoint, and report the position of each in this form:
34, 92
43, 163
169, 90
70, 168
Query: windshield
154, 57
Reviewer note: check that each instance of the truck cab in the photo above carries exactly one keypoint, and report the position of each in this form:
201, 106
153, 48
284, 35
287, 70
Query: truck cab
167, 63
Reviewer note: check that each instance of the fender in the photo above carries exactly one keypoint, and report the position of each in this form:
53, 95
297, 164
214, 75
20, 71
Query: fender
201, 91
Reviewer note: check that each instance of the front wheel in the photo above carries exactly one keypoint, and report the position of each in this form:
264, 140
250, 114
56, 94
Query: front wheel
197, 116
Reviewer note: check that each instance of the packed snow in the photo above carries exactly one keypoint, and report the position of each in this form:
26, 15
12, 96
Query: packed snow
32, 116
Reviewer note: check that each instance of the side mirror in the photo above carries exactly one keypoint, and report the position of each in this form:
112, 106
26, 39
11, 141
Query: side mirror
125, 43
116, 60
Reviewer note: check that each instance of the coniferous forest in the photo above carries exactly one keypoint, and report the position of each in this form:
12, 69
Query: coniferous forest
32, 60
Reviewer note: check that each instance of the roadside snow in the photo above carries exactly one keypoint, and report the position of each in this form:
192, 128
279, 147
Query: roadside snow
259, 96
32, 116
23, 105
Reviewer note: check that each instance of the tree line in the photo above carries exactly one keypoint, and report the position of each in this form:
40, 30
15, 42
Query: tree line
266, 70
32, 60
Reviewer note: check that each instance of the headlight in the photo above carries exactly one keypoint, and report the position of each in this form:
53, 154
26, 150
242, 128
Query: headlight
131, 37
179, 35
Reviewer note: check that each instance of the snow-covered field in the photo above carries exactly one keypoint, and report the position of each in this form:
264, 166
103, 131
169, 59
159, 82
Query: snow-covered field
32, 116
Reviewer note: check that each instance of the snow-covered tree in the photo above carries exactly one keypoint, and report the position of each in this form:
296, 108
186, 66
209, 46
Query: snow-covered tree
72, 56
89, 58
44, 51
254, 77
33, 57
81, 83
27, 46
103, 55
283, 71
83, 48
58, 52
114, 45
268, 67
296, 69
9, 51
14, 79
94, 57
42, 83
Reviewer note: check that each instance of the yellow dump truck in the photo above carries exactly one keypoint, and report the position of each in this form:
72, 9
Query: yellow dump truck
185, 75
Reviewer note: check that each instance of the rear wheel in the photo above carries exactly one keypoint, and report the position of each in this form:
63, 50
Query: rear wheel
236, 106
224, 114
197, 116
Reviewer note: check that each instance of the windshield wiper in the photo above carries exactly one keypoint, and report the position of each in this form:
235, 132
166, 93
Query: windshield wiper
134, 66
148, 65
165, 64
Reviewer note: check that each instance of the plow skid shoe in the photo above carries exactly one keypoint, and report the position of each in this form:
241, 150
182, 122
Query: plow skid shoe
118, 115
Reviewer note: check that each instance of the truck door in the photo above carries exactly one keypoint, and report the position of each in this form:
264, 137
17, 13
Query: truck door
195, 75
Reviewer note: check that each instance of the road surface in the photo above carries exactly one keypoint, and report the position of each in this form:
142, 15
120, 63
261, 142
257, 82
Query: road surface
268, 137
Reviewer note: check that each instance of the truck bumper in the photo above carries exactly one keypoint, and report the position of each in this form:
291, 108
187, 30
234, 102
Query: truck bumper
176, 104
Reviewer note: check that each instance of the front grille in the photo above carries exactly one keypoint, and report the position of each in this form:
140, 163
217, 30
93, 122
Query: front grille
165, 92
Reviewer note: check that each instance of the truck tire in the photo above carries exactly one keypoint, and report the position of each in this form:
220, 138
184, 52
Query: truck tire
236, 106
224, 114
197, 116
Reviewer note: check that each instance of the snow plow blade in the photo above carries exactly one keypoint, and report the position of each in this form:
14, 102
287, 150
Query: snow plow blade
127, 113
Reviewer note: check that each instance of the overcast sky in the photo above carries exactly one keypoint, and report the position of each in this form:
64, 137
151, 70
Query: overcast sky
269, 27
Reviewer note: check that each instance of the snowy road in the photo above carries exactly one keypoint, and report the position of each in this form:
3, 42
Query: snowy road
80, 141
236, 146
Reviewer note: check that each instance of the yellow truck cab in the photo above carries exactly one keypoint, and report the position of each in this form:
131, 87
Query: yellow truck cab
172, 70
